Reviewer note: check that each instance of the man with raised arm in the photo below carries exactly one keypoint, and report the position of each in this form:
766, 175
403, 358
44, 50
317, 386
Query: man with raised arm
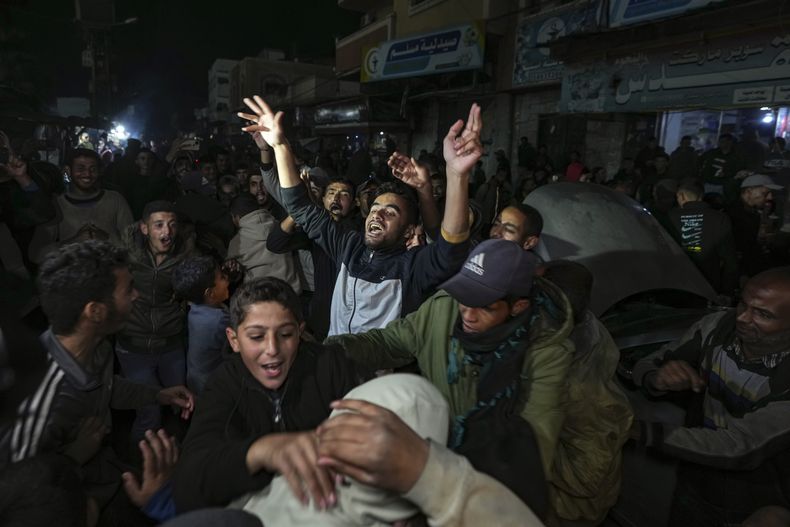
378, 279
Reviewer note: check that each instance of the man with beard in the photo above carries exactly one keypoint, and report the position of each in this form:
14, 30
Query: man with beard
150, 347
86, 211
379, 280
734, 446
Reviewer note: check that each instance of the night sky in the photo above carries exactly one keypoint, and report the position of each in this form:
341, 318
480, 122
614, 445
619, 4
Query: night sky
162, 60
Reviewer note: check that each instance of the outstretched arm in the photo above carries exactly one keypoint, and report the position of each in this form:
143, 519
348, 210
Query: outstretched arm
269, 125
462, 149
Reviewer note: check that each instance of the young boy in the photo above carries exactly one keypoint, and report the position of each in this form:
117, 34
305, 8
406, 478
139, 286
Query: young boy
258, 414
199, 281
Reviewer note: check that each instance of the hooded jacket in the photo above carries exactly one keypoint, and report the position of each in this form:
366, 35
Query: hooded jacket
157, 321
418, 404
426, 335
249, 247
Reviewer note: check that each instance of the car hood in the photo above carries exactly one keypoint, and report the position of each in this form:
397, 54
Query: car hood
617, 239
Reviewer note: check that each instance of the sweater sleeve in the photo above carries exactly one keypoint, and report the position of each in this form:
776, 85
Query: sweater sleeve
393, 346
212, 469
451, 492
437, 262
271, 182
544, 379
744, 445
281, 242
317, 223
687, 348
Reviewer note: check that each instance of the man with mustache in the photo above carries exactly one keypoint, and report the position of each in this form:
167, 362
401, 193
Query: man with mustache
733, 448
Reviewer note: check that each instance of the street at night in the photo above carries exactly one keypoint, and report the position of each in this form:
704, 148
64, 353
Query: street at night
395, 262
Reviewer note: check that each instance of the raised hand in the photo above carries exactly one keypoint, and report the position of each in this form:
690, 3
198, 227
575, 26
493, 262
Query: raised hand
268, 123
409, 171
462, 147
372, 445
160, 453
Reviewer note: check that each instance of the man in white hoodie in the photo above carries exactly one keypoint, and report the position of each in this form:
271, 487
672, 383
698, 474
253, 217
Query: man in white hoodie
249, 244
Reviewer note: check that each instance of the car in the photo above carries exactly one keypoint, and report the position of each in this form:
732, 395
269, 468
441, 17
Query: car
647, 293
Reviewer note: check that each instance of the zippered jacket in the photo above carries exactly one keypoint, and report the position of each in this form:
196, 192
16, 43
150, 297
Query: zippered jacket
374, 287
157, 323
236, 410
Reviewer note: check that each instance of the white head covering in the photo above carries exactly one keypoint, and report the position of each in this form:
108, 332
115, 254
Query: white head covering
420, 405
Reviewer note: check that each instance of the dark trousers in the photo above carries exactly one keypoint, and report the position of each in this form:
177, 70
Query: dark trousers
164, 369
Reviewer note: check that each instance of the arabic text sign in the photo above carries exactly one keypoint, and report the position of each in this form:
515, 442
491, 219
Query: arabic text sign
453, 49
533, 63
752, 70
624, 12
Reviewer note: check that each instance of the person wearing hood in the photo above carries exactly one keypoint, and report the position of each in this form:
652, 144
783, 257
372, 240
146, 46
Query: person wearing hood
249, 245
495, 342
414, 400
150, 346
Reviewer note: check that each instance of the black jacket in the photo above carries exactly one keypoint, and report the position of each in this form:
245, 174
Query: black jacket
373, 287
157, 323
235, 410
706, 236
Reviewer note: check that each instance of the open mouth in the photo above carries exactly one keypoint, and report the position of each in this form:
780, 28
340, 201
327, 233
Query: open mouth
335, 208
272, 369
375, 227
166, 241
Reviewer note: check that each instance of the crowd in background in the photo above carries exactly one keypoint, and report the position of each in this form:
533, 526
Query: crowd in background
251, 288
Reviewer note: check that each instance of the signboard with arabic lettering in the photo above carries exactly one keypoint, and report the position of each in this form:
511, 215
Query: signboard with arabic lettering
453, 49
533, 63
625, 12
746, 71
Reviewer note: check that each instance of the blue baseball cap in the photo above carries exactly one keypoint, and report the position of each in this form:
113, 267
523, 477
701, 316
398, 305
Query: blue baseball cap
494, 270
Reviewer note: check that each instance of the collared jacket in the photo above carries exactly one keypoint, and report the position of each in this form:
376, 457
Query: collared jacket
374, 287
736, 438
236, 410
426, 335
49, 419
157, 323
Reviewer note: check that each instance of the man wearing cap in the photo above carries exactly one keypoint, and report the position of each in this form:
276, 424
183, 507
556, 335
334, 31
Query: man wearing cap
756, 191
495, 342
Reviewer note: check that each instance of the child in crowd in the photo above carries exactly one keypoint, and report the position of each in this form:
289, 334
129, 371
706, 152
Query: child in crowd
201, 282
259, 410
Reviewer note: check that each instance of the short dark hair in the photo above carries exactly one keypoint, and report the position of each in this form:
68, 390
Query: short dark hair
693, 187
243, 204
75, 275
159, 205
686, 138
534, 219
407, 193
662, 155
193, 276
345, 181
267, 289
229, 180
575, 280
81, 152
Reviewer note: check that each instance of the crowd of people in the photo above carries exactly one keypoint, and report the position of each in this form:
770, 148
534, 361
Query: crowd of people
305, 345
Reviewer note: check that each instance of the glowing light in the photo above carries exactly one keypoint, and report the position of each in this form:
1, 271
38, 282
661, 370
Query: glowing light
768, 118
